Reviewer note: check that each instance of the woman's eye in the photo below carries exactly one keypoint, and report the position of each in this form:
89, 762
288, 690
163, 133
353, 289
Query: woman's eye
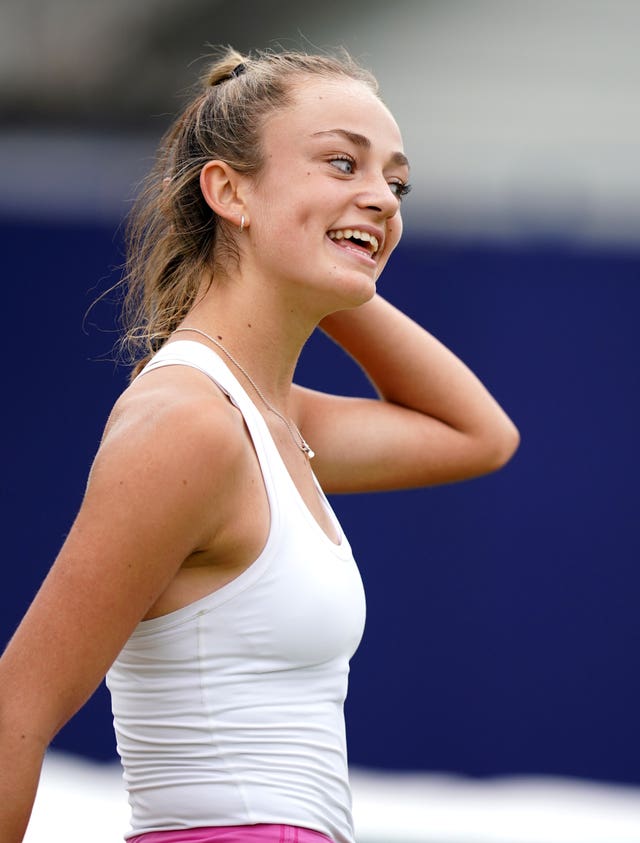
346, 165
400, 188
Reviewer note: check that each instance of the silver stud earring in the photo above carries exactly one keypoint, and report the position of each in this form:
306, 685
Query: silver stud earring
241, 224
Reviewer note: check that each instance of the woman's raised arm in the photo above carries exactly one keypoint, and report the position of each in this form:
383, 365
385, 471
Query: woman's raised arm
436, 422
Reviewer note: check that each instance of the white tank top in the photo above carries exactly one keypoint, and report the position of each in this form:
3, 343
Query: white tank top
229, 711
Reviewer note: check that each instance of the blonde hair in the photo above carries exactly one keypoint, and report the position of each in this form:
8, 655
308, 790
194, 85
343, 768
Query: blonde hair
173, 236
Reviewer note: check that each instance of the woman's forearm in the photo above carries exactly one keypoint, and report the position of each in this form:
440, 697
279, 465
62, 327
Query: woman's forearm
20, 765
410, 367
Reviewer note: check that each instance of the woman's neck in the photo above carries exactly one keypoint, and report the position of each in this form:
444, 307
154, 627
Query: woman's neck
258, 333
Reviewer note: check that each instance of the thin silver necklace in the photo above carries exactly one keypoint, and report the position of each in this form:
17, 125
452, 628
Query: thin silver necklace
291, 427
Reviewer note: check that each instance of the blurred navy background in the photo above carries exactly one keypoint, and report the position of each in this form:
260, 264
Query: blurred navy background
503, 625
503, 618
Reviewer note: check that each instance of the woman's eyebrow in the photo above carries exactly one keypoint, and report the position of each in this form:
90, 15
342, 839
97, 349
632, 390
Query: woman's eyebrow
364, 142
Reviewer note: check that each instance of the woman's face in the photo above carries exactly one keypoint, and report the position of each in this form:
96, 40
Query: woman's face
333, 165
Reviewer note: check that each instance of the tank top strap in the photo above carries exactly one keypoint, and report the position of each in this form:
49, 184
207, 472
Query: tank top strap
200, 357
284, 498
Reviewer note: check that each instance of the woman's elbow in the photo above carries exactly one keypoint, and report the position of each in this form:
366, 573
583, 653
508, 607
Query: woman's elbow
500, 446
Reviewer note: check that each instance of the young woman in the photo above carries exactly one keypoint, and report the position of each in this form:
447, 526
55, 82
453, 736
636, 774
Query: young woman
206, 574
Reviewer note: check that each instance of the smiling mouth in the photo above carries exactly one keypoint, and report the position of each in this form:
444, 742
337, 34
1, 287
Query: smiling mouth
362, 239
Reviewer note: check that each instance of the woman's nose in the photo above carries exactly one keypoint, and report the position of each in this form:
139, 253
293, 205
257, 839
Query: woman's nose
378, 195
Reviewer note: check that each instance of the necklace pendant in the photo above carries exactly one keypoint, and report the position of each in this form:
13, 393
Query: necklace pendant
307, 450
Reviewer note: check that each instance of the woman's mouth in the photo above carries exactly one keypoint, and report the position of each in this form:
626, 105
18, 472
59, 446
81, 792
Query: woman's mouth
356, 240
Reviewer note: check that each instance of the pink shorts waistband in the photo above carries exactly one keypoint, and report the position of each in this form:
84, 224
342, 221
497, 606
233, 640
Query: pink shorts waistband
262, 833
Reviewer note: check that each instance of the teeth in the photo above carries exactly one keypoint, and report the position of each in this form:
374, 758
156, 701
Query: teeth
346, 233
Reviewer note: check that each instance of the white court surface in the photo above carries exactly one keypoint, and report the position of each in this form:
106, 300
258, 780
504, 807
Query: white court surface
83, 802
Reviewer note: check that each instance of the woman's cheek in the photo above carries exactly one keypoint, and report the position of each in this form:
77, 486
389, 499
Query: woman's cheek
394, 230
394, 233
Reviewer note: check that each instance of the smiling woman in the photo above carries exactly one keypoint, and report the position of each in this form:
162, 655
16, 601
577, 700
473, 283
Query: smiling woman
206, 574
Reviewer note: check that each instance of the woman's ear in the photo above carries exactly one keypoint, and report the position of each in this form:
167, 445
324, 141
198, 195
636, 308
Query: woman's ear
221, 187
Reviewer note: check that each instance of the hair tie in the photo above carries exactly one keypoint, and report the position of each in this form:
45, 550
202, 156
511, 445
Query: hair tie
238, 70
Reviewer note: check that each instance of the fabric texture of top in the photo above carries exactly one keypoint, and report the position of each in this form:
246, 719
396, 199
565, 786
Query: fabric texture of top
229, 711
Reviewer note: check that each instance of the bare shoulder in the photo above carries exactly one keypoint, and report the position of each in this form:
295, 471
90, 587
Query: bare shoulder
171, 445
175, 402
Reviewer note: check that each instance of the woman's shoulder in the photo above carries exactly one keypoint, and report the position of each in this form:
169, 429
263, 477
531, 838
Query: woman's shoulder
176, 408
